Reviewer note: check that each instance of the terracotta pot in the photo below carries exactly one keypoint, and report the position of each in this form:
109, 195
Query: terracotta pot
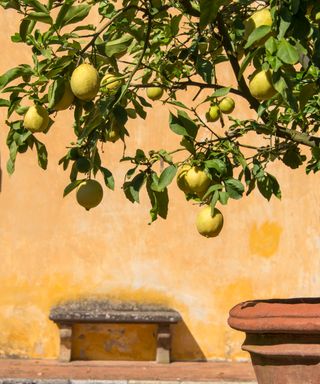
282, 337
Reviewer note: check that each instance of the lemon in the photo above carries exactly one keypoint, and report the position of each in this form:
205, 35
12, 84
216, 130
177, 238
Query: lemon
36, 119
197, 181
110, 82
180, 177
66, 99
261, 86
154, 93
213, 114
208, 225
257, 19
85, 82
89, 194
227, 105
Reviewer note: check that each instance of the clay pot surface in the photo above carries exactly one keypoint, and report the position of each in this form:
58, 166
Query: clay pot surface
282, 337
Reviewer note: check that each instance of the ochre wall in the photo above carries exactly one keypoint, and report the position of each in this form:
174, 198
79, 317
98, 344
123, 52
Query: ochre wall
53, 250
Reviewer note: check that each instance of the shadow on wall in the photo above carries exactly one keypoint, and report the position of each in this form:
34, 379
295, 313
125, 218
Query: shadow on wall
130, 342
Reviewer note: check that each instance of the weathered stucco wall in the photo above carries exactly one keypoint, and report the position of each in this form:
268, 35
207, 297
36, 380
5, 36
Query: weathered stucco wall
52, 249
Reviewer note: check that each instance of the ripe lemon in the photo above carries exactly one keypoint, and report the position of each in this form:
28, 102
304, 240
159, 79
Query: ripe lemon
110, 82
213, 114
154, 93
89, 194
85, 82
197, 181
259, 18
181, 182
207, 225
36, 119
261, 86
66, 99
227, 105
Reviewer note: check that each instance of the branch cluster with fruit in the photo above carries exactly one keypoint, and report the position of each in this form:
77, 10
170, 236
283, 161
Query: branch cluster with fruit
147, 50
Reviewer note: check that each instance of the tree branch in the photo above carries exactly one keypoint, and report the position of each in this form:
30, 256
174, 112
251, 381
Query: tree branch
189, 83
137, 66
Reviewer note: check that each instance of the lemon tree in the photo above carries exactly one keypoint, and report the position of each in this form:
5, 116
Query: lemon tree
140, 54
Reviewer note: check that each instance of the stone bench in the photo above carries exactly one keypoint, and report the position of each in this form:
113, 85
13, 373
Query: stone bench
105, 311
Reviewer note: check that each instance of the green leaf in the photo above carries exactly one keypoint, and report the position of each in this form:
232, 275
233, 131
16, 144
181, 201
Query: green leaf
42, 154
108, 178
258, 34
220, 92
268, 185
212, 188
73, 14
70, 187
37, 6
204, 69
39, 16
216, 164
24, 28
4, 103
56, 91
293, 158
159, 201
208, 11
287, 53
285, 21
117, 46
62, 13
120, 115
166, 177
139, 109
223, 197
14, 73
12, 157
183, 125
234, 188
247, 60
188, 144
132, 188
214, 200
271, 45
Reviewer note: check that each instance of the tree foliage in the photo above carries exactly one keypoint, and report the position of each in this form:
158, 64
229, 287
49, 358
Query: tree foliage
175, 45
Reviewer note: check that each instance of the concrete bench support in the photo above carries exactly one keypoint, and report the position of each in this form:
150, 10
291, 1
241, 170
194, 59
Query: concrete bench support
104, 311
163, 344
65, 342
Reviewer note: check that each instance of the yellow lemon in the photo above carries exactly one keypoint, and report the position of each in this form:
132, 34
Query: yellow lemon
208, 225
154, 93
258, 19
36, 119
110, 82
213, 114
197, 181
227, 105
261, 86
85, 82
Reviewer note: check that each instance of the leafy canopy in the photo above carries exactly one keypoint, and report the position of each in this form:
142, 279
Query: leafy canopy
175, 45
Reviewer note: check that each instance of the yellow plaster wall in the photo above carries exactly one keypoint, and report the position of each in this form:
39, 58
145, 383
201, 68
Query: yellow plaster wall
51, 249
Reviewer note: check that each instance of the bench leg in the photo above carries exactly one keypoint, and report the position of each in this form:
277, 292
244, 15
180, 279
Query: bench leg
163, 344
65, 342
